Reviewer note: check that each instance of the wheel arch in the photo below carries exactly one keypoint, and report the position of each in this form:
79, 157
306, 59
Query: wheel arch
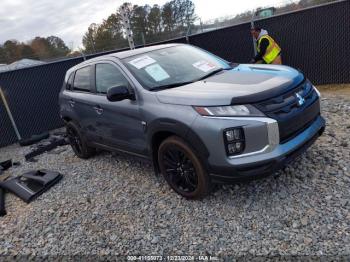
161, 129
70, 118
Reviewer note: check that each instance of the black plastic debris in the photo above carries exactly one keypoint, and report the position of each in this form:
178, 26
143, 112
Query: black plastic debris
5, 165
2, 196
17, 163
31, 184
46, 146
34, 139
2, 203
27, 186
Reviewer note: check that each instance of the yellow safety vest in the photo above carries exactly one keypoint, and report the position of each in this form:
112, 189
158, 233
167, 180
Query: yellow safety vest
272, 50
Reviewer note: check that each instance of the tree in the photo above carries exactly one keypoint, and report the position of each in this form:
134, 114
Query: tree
27, 52
178, 15
114, 24
41, 47
3, 59
89, 38
37, 48
183, 12
167, 17
107, 36
139, 22
57, 47
155, 23
11, 51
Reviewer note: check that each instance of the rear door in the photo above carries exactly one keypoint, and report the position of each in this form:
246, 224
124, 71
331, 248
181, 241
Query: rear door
118, 124
81, 100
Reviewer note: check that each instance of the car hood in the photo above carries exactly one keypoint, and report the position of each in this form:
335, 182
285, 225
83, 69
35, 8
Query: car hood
241, 85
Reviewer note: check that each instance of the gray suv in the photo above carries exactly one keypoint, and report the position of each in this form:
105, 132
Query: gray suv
198, 118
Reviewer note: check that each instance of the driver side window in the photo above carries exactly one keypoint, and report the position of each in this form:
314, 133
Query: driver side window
108, 76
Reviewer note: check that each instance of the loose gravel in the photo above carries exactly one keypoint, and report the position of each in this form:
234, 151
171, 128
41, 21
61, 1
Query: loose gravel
114, 205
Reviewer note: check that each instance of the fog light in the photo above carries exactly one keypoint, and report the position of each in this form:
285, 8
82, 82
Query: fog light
239, 146
234, 148
234, 141
234, 134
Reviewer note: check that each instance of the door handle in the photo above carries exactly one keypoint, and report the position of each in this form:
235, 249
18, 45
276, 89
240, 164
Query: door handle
71, 102
98, 110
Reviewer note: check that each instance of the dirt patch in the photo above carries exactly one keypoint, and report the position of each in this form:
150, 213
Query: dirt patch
335, 89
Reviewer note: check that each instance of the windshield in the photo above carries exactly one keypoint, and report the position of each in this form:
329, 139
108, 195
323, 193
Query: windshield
173, 66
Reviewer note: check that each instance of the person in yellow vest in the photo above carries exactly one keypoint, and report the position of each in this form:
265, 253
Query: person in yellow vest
268, 51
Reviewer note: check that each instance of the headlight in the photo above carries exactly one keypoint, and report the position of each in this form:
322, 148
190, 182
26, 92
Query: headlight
235, 110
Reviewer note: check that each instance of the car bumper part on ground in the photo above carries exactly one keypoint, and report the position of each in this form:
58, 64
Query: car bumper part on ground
261, 165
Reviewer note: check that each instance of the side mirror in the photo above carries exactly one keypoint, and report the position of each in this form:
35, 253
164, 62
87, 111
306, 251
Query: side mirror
119, 93
233, 64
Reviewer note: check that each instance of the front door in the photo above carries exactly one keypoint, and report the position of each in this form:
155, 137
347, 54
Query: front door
118, 124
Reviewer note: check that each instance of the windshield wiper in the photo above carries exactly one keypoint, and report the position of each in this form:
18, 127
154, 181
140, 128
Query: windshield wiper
211, 74
188, 82
170, 86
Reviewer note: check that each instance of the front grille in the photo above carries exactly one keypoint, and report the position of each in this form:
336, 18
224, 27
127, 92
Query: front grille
294, 111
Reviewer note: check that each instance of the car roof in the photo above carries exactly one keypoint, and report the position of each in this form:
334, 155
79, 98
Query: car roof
122, 55
129, 53
138, 51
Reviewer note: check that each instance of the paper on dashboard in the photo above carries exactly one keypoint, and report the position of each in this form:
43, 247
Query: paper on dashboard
157, 72
142, 61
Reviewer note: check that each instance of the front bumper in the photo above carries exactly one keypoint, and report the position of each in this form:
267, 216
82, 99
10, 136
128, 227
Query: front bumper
261, 165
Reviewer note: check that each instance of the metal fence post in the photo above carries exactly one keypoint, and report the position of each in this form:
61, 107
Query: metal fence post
143, 39
3, 98
127, 27
252, 26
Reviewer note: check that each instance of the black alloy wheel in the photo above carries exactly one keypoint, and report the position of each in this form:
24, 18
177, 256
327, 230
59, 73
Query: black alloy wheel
182, 168
179, 168
77, 141
74, 140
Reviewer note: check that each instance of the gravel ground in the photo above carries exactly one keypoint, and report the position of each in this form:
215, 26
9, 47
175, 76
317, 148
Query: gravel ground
113, 204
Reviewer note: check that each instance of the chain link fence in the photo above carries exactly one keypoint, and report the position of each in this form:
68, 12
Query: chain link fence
314, 40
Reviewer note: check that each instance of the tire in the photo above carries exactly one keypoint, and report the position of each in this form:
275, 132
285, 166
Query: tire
77, 141
182, 169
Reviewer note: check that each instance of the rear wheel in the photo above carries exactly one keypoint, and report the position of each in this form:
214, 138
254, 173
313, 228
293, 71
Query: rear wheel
77, 142
182, 169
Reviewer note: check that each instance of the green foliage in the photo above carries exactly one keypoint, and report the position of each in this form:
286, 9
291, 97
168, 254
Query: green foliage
57, 47
148, 24
106, 36
154, 22
2, 55
139, 22
168, 17
37, 48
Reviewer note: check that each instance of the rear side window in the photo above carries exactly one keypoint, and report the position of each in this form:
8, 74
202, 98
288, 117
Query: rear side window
108, 76
82, 79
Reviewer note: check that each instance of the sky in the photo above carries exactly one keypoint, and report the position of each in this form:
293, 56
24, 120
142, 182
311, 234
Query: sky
24, 19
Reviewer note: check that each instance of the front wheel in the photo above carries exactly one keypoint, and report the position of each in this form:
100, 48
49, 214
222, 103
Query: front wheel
182, 169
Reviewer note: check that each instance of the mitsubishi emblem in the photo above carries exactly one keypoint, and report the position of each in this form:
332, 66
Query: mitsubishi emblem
301, 100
